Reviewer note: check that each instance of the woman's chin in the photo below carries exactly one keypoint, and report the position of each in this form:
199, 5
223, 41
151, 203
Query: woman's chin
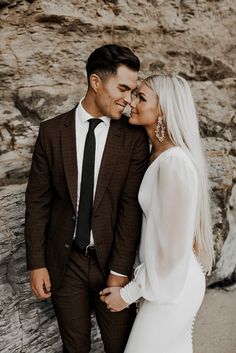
133, 120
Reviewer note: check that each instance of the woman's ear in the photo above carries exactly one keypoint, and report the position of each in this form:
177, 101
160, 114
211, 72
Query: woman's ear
95, 81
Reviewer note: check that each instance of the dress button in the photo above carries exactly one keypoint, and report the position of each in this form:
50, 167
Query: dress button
73, 217
67, 245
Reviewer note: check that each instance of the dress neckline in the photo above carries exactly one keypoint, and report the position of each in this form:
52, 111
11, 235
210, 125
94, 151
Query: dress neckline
161, 154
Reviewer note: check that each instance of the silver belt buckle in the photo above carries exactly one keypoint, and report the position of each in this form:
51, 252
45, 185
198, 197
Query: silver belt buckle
86, 250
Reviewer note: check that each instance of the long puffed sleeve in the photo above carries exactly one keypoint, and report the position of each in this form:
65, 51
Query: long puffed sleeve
169, 206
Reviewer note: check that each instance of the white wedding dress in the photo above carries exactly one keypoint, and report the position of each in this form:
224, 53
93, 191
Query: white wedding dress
169, 279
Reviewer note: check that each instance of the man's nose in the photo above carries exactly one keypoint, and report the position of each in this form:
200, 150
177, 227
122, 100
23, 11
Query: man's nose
134, 102
128, 97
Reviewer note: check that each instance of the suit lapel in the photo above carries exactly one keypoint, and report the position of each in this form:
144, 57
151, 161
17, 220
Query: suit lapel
68, 142
109, 158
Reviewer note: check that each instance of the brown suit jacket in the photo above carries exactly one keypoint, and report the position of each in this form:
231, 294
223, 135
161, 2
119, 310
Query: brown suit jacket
51, 197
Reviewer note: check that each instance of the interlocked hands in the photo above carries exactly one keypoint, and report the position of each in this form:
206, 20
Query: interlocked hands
113, 300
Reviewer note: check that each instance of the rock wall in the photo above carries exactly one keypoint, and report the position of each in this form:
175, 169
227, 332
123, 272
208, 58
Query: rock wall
44, 45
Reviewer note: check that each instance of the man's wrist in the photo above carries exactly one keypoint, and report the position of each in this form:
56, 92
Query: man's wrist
117, 281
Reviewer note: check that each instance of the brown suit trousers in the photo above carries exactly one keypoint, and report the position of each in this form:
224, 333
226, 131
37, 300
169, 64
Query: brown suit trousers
73, 302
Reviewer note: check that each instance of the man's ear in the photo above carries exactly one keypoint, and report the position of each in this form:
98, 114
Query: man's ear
95, 81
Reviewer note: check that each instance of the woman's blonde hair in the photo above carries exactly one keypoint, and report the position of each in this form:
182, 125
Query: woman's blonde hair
176, 102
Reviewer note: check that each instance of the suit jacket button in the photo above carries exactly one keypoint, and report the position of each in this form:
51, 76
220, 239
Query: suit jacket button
74, 217
67, 245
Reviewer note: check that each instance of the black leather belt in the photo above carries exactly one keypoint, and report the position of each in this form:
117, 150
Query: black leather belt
89, 251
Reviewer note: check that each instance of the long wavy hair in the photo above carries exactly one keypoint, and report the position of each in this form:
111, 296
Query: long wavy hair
176, 102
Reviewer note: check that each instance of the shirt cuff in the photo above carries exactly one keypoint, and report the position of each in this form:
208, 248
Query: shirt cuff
131, 292
117, 274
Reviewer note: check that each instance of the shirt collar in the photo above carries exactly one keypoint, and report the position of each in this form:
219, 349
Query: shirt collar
84, 116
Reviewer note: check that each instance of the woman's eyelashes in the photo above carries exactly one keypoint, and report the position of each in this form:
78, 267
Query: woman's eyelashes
141, 97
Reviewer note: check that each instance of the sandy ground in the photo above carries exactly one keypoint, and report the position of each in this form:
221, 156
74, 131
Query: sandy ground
215, 325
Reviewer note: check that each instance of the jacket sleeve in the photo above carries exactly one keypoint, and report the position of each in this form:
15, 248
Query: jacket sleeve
38, 204
128, 227
168, 233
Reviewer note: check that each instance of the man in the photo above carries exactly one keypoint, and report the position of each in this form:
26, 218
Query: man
82, 214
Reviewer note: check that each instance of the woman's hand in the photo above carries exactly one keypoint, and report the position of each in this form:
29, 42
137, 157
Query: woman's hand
112, 298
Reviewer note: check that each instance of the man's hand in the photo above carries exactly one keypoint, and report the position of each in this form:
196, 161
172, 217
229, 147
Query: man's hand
40, 283
117, 281
112, 298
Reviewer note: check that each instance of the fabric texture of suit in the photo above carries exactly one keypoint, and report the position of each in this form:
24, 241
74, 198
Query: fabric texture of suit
51, 197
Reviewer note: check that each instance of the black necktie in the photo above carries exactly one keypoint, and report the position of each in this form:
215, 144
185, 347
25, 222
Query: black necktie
86, 190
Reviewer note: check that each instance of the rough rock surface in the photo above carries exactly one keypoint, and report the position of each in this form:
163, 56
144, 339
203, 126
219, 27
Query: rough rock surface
26, 324
43, 48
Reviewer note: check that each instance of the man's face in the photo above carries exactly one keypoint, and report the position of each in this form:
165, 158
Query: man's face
114, 93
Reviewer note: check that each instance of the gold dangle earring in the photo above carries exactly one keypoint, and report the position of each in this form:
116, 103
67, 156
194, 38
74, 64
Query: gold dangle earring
160, 129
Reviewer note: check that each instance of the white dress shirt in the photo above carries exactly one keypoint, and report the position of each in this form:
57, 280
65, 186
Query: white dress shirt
101, 131
81, 129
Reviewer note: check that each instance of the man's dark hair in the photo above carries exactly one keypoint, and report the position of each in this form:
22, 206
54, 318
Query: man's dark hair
105, 60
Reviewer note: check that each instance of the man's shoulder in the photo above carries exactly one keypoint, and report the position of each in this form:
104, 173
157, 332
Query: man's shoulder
58, 120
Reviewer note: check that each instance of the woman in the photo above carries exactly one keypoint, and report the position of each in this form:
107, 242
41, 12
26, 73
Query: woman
176, 231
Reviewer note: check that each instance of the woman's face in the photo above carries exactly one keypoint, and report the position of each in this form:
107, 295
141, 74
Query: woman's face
144, 107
